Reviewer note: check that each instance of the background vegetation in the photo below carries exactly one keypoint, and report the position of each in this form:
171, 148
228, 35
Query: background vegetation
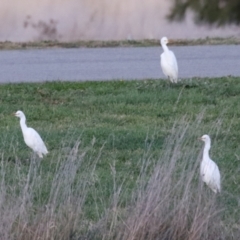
218, 12
124, 160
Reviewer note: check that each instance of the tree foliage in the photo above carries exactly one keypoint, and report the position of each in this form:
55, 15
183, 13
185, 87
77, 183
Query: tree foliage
219, 12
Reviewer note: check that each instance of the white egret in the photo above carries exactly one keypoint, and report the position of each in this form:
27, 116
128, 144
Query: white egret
208, 169
168, 62
31, 136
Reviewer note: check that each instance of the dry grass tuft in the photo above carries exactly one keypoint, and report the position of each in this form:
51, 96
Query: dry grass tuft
60, 216
173, 203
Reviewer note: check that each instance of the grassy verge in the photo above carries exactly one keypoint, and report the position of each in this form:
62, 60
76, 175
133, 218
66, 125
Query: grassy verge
124, 160
122, 43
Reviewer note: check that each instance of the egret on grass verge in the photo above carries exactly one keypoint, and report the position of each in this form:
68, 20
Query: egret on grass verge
168, 62
31, 136
208, 169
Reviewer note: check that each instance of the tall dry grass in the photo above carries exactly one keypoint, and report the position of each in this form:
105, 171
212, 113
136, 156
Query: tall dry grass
173, 204
24, 215
169, 200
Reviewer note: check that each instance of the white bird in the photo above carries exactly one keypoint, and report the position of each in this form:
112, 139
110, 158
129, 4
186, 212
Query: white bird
31, 136
168, 62
209, 170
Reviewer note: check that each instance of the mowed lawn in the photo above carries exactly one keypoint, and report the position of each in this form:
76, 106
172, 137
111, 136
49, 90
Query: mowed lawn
117, 124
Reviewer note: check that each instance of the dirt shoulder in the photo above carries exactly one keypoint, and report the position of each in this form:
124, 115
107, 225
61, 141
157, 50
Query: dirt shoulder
124, 43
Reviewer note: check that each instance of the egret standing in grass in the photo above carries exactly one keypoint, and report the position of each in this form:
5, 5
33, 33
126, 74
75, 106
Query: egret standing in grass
31, 136
168, 62
208, 169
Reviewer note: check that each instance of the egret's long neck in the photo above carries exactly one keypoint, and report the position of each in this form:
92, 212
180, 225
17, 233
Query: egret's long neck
206, 150
165, 48
23, 123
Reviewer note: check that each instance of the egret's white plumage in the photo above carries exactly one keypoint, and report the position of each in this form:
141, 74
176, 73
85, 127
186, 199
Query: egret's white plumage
208, 169
31, 136
168, 62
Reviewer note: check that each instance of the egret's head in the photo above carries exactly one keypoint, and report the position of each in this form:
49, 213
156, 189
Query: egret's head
164, 41
19, 114
205, 138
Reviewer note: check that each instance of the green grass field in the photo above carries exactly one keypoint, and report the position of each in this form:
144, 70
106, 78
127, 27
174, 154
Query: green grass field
123, 128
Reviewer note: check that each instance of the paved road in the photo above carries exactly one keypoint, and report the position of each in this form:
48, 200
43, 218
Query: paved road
115, 63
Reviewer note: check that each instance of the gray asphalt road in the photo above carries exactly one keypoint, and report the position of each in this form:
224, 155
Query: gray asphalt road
115, 63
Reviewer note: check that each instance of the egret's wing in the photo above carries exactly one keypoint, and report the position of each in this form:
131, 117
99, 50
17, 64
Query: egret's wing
173, 62
210, 174
216, 177
169, 65
34, 141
